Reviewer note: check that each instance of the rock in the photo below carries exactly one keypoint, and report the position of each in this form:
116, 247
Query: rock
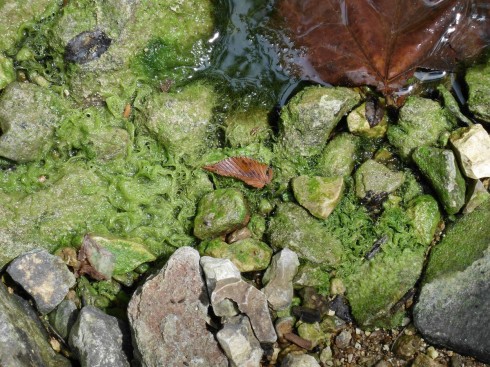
292, 227
220, 212
440, 168
24, 339
97, 339
44, 276
375, 177
251, 302
311, 115
217, 270
338, 157
406, 346
239, 234
28, 117
87, 46
279, 279
313, 333
472, 147
452, 309
247, 127
337, 286
425, 216
319, 195
247, 255
239, 343
110, 143
167, 316
342, 340
476, 195
421, 122
341, 308
451, 105
63, 318
311, 275
326, 355
7, 72
299, 360
359, 125
478, 80
284, 325
423, 360
95, 260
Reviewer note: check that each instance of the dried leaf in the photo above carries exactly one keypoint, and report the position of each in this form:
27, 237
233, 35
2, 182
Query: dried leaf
248, 170
382, 42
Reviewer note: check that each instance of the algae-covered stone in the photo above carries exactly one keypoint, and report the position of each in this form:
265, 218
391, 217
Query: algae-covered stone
477, 194
421, 122
7, 72
359, 125
292, 227
311, 115
425, 216
472, 147
451, 105
28, 117
376, 178
439, 166
220, 212
247, 255
246, 127
110, 143
312, 275
478, 80
338, 157
319, 195
313, 333
181, 121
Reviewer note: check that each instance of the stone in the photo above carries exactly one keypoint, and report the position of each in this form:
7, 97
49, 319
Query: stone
440, 168
23, 339
478, 80
247, 127
249, 301
451, 105
425, 216
292, 227
168, 314
472, 147
283, 326
423, 360
313, 333
299, 360
97, 339
311, 115
375, 177
278, 279
421, 122
29, 115
220, 212
44, 276
63, 318
359, 125
311, 275
239, 343
216, 270
342, 340
247, 254
406, 346
337, 286
7, 72
453, 305
319, 195
239, 234
476, 195
338, 157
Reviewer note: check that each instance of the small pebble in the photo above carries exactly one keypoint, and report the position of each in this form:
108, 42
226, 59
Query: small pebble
432, 352
350, 357
357, 346
331, 313
343, 339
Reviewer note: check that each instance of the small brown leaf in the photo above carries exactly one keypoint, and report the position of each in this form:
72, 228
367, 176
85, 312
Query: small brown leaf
248, 170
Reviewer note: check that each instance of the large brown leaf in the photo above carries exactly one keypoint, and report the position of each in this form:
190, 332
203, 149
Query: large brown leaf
382, 42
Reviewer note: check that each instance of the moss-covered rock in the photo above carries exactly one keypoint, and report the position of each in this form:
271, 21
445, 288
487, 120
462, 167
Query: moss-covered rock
311, 115
313, 333
359, 125
7, 72
425, 216
421, 122
319, 195
478, 80
220, 212
312, 275
247, 127
439, 166
339, 156
292, 227
376, 178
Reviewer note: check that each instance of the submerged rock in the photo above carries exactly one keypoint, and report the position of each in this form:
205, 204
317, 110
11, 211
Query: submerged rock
439, 166
44, 276
338, 157
97, 339
472, 147
376, 178
24, 341
168, 315
245, 128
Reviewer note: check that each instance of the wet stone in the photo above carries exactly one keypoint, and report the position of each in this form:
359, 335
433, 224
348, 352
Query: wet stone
87, 46
425, 216
472, 147
376, 178
168, 313
97, 339
359, 125
338, 157
44, 276
299, 360
63, 317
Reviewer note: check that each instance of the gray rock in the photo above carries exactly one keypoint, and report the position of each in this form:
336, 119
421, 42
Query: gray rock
63, 318
97, 339
476, 195
239, 343
23, 340
279, 279
375, 177
168, 314
299, 360
342, 340
251, 302
44, 276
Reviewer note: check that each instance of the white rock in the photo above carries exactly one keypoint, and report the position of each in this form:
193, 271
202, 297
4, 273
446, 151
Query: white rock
302, 360
472, 146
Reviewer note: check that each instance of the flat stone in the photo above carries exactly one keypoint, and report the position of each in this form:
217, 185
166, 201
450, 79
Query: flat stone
168, 313
44, 276
279, 279
23, 339
97, 339
239, 343
472, 147
64, 317
299, 360
375, 177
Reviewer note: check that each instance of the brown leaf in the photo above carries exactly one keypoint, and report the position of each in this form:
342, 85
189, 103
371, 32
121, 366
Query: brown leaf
248, 170
381, 42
